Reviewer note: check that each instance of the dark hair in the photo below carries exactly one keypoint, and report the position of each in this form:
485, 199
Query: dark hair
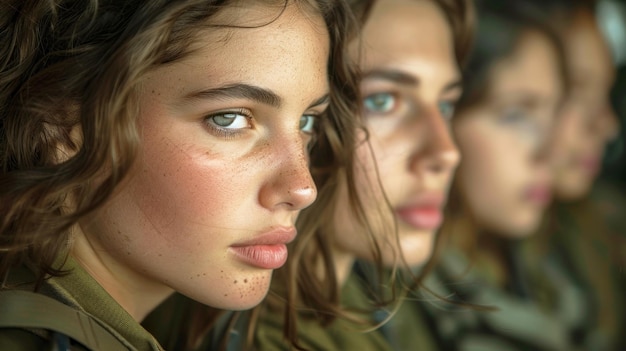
501, 27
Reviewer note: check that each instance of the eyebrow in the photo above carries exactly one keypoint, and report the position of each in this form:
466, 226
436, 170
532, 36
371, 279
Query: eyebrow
393, 76
404, 78
247, 91
239, 91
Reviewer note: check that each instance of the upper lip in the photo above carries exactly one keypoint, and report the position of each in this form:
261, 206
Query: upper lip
429, 200
272, 236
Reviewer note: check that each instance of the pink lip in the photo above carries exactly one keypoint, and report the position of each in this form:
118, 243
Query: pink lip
590, 164
268, 250
424, 212
538, 194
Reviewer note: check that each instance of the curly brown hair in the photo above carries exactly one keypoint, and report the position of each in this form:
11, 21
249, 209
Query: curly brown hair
70, 73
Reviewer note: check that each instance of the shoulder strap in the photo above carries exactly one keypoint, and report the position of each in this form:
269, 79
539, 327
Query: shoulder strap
24, 309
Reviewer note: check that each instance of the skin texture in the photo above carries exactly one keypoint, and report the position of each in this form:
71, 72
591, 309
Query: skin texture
409, 79
504, 177
198, 189
588, 121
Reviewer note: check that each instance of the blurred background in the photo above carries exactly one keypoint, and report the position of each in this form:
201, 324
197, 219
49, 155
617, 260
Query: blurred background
612, 18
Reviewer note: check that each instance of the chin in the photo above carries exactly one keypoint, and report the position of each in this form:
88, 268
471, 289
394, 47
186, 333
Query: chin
417, 247
243, 292
523, 228
571, 193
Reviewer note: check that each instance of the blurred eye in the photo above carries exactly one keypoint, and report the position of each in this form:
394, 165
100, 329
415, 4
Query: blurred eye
379, 103
521, 122
446, 108
307, 123
229, 120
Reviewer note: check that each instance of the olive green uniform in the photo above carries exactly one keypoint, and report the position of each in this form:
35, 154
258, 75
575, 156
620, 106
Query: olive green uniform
81, 292
340, 335
584, 243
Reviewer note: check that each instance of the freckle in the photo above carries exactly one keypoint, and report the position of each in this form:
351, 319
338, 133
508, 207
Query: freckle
245, 280
160, 255
198, 275
225, 294
204, 274
235, 282
153, 91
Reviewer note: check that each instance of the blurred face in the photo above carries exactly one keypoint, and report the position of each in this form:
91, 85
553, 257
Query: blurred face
223, 170
409, 88
588, 121
504, 176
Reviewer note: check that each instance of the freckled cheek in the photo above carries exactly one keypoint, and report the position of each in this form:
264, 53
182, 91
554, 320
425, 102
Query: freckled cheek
180, 194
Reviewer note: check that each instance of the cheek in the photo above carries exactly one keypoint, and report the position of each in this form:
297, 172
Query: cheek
491, 166
183, 193
566, 132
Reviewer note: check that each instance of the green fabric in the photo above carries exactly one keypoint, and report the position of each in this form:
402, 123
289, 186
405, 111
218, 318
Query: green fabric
79, 290
584, 242
340, 335
409, 328
518, 324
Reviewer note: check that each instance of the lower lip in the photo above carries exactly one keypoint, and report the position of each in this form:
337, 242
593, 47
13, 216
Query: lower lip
262, 256
421, 217
590, 164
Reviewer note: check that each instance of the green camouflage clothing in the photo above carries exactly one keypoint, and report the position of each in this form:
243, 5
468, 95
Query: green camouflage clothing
80, 291
518, 324
584, 243
341, 335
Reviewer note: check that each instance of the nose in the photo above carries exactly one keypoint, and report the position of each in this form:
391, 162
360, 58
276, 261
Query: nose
289, 184
438, 153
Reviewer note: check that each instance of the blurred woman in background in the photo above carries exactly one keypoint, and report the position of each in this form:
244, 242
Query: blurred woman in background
409, 54
582, 244
512, 89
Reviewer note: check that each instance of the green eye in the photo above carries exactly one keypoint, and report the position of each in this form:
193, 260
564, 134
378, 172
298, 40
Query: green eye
307, 123
446, 108
379, 103
229, 121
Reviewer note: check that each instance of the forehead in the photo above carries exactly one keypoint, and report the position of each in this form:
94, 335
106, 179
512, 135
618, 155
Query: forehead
262, 44
589, 59
411, 32
532, 68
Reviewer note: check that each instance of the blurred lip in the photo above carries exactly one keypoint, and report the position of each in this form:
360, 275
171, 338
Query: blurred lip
590, 163
539, 194
423, 211
268, 250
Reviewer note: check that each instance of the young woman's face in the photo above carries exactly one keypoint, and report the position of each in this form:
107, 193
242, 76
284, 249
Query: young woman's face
504, 177
223, 167
409, 88
587, 121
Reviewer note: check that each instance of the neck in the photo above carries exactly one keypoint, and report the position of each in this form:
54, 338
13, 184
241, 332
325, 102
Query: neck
343, 264
135, 293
